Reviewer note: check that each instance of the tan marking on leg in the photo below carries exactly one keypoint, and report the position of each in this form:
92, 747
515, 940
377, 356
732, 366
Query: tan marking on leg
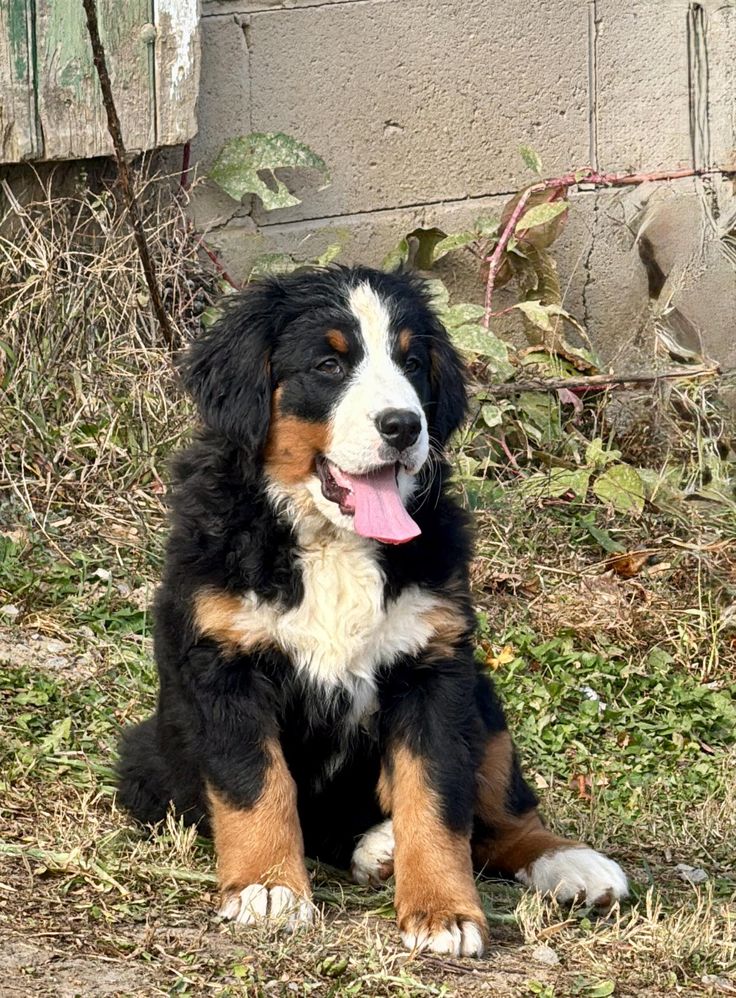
261, 844
337, 340
219, 616
435, 888
405, 339
384, 791
292, 446
517, 840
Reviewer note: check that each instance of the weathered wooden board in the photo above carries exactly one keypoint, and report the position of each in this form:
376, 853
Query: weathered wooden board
50, 101
70, 109
18, 133
177, 69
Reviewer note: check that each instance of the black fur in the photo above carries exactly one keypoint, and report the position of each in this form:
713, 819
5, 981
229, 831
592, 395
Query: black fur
215, 712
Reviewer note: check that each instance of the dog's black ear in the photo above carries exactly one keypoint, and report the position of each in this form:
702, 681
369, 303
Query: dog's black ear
228, 370
448, 379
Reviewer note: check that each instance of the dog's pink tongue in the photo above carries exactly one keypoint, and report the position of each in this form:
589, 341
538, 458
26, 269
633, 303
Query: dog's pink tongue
379, 511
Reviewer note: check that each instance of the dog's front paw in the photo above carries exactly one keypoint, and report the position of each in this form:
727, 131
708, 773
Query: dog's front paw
277, 905
448, 933
373, 859
577, 872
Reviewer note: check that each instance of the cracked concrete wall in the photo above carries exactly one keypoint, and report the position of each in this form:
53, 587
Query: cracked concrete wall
419, 108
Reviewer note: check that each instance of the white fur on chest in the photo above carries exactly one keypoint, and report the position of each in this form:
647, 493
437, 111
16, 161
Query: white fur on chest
342, 632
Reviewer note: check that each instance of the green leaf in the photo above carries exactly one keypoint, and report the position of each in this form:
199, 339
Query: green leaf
621, 486
475, 339
602, 537
556, 366
486, 226
458, 315
662, 485
596, 456
450, 243
332, 252
398, 255
541, 214
531, 159
439, 295
537, 314
557, 483
238, 168
541, 411
562, 480
492, 415
58, 736
601, 990
272, 263
210, 316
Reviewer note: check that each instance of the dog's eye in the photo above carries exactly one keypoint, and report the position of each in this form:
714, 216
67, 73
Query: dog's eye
412, 364
331, 366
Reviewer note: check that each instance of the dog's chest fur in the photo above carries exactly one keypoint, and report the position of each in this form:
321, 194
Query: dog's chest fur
343, 630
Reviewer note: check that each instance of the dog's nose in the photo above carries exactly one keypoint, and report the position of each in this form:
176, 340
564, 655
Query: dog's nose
398, 427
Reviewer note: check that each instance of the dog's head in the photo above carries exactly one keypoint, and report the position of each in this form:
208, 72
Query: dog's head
338, 382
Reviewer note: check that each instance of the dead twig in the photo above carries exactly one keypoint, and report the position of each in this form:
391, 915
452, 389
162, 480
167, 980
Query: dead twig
218, 265
116, 134
601, 381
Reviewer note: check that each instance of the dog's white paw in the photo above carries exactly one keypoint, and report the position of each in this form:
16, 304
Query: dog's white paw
277, 905
373, 859
577, 872
457, 938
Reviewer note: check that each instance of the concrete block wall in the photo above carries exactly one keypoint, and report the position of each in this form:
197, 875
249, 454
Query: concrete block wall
419, 108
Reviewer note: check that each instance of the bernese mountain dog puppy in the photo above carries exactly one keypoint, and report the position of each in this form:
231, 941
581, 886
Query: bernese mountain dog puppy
314, 631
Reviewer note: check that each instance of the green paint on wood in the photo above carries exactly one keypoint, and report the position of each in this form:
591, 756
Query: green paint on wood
18, 31
67, 46
50, 101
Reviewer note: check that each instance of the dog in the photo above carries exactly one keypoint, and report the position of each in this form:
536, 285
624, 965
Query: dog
313, 633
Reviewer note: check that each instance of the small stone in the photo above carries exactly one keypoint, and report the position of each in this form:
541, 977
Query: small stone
691, 874
55, 647
9, 610
57, 662
545, 955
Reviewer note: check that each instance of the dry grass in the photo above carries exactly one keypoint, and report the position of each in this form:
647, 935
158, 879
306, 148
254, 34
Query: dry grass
89, 402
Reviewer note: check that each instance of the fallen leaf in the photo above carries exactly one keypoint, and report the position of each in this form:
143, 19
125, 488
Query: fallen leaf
506, 655
630, 564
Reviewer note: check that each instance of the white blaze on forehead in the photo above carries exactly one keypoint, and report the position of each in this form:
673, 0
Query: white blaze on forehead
378, 383
374, 319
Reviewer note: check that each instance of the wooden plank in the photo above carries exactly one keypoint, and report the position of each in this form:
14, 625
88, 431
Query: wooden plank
177, 70
18, 132
71, 115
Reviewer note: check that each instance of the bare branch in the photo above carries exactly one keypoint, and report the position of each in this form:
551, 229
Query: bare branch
584, 176
116, 134
509, 388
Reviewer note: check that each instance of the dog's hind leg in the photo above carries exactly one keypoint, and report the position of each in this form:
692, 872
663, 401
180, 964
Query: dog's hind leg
141, 772
147, 784
511, 839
